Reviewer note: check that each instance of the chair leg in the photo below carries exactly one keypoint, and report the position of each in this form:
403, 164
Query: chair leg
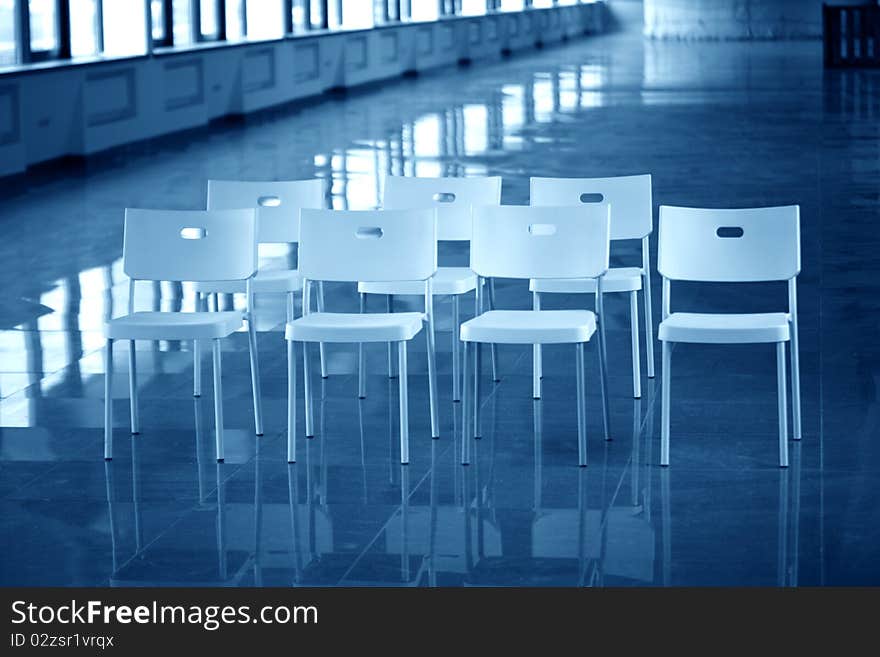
634, 330
478, 366
581, 405
255, 375
456, 349
465, 400
495, 376
404, 403
291, 401
537, 366
649, 324
389, 308
795, 383
132, 388
362, 362
108, 400
307, 391
197, 356
218, 399
603, 375
432, 377
321, 351
783, 405
666, 378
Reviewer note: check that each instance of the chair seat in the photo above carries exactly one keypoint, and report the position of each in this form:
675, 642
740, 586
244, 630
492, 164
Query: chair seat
447, 280
530, 327
618, 279
355, 327
173, 326
269, 281
722, 328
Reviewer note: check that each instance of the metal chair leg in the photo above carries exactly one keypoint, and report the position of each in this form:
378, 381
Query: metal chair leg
537, 365
465, 400
432, 376
307, 391
456, 349
478, 365
197, 356
634, 330
666, 377
795, 383
320, 303
255, 375
108, 400
783, 405
132, 388
389, 308
218, 400
291, 401
404, 403
362, 362
581, 405
649, 324
493, 347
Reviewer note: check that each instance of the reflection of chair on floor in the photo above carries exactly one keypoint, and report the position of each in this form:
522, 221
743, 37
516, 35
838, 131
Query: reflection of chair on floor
154, 562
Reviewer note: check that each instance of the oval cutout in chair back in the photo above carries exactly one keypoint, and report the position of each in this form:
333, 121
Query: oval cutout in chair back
729, 231
369, 233
444, 197
193, 233
592, 198
542, 230
269, 201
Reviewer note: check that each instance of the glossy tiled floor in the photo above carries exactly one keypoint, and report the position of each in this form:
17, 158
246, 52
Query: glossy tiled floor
717, 124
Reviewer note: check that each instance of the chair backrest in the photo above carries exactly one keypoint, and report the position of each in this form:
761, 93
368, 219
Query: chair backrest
190, 245
452, 197
278, 204
730, 246
369, 246
541, 242
629, 196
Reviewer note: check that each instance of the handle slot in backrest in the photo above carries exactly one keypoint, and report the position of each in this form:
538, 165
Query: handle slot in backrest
729, 232
369, 233
591, 198
269, 201
193, 233
542, 230
444, 197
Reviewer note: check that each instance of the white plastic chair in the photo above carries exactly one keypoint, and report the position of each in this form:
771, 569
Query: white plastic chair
365, 246
631, 219
168, 245
278, 204
732, 246
539, 243
453, 199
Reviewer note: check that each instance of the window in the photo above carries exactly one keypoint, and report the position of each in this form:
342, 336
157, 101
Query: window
84, 33
473, 7
124, 28
542, 3
423, 10
45, 41
512, 5
234, 19
8, 46
357, 14
209, 20
265, 19
157, 18
181, 12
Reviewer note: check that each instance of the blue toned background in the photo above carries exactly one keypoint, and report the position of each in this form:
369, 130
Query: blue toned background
718, 123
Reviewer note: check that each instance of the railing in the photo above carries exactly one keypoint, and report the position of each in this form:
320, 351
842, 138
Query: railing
852, 35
